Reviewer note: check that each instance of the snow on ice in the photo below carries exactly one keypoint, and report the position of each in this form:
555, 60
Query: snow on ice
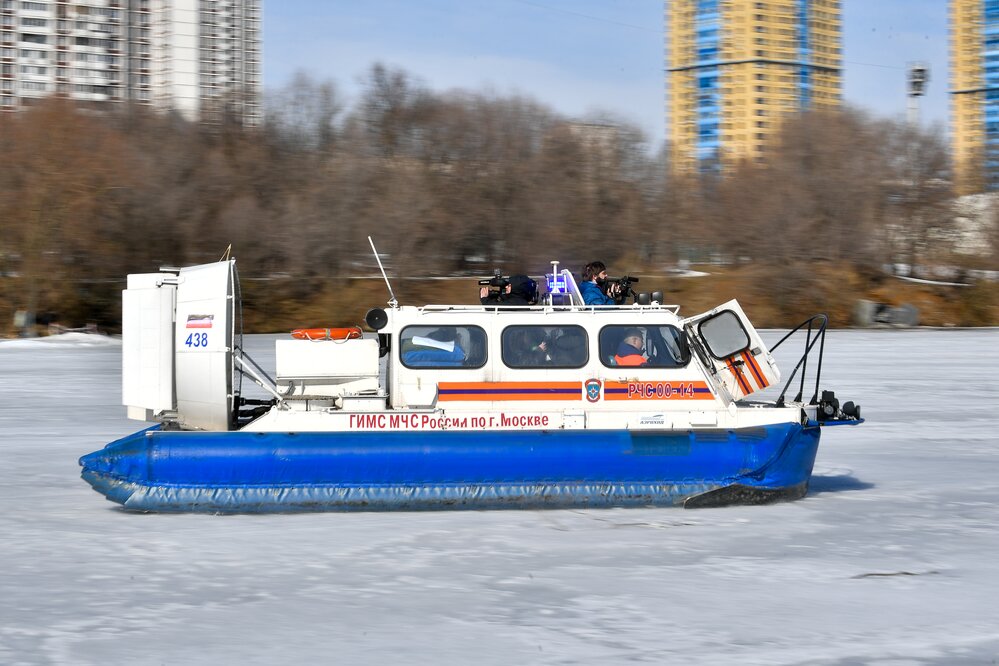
890, 559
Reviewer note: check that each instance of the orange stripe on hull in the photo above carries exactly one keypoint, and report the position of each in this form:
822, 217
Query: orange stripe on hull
508, 391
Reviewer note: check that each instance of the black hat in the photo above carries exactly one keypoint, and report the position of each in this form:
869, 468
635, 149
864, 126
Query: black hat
445, 334
525, 287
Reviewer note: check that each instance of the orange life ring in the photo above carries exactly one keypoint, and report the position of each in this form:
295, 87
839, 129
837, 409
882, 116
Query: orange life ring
348, 333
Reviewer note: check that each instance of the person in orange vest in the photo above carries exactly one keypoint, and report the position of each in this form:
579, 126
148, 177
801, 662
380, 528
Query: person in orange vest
629, 352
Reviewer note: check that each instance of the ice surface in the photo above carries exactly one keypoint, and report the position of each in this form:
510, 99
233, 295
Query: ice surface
890, 559
62, 340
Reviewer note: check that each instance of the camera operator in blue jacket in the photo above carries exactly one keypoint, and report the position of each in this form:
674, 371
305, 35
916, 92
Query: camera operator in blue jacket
594, 277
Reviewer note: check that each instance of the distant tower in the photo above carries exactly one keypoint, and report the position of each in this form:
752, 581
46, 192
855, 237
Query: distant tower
919, 77
974, 94
735, 68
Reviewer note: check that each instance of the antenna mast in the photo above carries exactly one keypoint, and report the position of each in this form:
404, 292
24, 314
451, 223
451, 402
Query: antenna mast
393, 303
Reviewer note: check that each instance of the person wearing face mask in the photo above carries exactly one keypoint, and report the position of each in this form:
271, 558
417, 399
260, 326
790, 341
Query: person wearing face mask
594, 277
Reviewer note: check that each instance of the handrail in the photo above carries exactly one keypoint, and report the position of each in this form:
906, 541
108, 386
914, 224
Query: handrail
674, 309
820, 337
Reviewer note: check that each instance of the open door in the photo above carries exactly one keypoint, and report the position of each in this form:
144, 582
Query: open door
147, 305
732, 349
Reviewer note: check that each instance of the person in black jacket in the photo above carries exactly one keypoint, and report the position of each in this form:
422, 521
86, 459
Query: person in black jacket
520, 290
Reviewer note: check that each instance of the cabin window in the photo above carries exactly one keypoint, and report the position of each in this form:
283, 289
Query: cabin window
644, 346
442, 347
724, 334
545, 346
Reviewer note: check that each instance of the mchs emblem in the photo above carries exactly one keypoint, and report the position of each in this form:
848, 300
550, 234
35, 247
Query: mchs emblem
593, 390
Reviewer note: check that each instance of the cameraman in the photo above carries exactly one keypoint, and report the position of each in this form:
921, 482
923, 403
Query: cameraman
594, 277
520, 290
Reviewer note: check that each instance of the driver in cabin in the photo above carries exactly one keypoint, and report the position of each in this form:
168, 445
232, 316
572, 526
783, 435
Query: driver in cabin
520, 290
594, 277
629, 352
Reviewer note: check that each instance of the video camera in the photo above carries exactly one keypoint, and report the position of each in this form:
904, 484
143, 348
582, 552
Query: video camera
497, 283
624, 289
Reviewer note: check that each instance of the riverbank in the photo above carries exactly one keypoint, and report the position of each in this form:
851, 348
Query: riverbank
773, 296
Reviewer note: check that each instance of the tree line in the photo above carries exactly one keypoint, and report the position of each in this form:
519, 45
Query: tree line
446, 183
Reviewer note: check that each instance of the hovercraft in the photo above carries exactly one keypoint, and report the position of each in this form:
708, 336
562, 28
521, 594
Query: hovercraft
457, 406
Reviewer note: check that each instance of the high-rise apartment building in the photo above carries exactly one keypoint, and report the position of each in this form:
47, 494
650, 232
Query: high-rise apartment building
974, 94
737, 67
200, 58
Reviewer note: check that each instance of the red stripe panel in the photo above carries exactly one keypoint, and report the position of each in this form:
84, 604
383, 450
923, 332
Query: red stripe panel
754, 367
657, 390
739, 377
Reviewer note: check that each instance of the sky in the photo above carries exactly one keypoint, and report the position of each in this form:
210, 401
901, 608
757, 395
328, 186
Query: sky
583, 58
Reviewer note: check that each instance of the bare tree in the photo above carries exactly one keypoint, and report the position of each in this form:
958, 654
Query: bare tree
918, 187
305, 113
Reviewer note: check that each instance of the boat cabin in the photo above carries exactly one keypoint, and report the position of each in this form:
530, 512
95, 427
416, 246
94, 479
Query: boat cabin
561, 361
557, 364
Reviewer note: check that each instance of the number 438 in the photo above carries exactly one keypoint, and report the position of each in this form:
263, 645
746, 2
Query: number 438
197, 340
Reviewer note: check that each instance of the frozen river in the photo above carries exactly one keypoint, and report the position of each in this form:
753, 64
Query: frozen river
892, 558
